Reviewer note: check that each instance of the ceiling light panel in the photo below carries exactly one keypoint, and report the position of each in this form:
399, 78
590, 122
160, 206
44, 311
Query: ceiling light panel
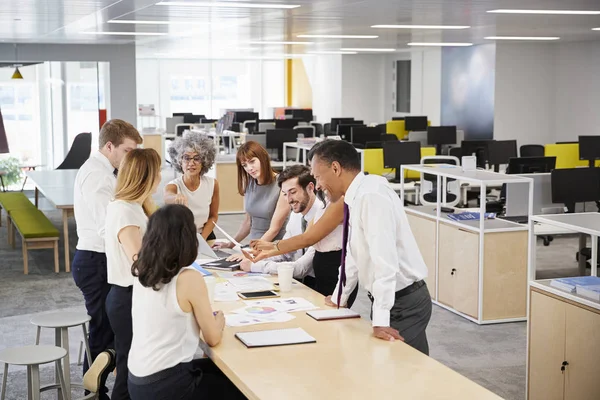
339, 36
437, 27
226, 4
544, 12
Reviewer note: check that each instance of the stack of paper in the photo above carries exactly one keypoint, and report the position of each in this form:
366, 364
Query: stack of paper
256, 315
587, 286
470, 216
291, 304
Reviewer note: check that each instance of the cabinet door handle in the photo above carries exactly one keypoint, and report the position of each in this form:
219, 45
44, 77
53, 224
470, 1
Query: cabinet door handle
453, 271
564, 366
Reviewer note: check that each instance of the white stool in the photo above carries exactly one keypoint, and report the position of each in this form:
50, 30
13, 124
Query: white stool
61, 322
33, 357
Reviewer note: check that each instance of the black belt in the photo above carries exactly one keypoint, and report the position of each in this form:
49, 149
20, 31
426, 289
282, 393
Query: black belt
406, 291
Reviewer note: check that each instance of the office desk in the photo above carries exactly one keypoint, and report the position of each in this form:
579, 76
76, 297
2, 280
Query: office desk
582, 223
305, 148
57, 188
347, 362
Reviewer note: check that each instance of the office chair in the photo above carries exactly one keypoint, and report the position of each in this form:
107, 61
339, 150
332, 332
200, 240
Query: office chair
78, 153
382, 128
374, 145
181, 128
450, 194
319, 130
306, 130
455, 152
388, 137
531, 150
327, 129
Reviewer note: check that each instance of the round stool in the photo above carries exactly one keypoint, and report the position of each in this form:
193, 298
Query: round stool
61, 322
33, 357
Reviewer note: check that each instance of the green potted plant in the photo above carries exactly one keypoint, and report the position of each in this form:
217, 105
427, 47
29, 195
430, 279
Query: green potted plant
11, 170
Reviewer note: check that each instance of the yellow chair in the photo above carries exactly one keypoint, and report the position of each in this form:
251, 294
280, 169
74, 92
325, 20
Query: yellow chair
374, 162
567, 155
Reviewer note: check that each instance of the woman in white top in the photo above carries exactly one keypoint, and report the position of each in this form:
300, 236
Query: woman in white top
170, 308
324, 235
193, 155
126, 220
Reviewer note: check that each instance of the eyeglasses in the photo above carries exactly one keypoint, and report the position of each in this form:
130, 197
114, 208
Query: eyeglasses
188, 159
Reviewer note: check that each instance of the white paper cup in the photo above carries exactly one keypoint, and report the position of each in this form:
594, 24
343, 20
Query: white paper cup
285, 275
210, 285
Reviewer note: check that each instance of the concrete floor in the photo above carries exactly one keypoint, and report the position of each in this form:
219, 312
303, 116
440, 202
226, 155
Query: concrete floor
492, 355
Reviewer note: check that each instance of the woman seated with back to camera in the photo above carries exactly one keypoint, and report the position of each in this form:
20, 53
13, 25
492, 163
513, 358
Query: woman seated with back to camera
170, 308
193, 155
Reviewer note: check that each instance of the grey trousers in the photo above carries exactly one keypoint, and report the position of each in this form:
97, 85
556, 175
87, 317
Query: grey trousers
410, 316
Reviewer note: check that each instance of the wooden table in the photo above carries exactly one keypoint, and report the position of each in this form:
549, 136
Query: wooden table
347, 362
57, 187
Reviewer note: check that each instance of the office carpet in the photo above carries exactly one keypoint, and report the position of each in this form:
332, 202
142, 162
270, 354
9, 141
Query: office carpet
492, 355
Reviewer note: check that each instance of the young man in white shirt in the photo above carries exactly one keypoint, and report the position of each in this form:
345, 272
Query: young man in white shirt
94, 188
298, 187
380, 249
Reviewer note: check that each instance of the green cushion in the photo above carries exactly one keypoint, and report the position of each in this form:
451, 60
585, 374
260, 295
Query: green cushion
32, 223
14, 201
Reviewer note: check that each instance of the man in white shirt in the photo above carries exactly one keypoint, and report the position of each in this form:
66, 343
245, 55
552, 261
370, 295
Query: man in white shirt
298, 187
380, 249
94, 188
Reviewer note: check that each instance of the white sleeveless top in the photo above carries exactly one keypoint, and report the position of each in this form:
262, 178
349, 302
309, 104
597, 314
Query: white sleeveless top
198, 200
163, 334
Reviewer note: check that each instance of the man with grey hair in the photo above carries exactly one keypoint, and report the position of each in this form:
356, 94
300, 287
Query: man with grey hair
193, 155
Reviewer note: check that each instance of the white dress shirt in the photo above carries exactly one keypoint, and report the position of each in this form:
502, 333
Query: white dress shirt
382, 253
121, 214
94, 187
303, 266
293, 228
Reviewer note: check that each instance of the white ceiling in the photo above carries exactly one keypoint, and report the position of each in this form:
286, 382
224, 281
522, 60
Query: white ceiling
207, 31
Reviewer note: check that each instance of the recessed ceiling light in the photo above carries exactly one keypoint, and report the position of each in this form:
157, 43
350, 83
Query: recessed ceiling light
126, 33
332, 52
141, 22
441, 44
339, 36
521, 38
367, 49
226, 4
421, 26
275, 42
555, 12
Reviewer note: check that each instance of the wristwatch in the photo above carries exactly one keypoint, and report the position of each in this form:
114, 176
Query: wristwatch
276, 244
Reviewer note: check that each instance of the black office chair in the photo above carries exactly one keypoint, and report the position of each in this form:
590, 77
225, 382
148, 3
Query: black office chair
78, 153
319, 130
382, 128
307, 131
531, 150
455, 152
373, 145
182, 128
327, 129
388, 137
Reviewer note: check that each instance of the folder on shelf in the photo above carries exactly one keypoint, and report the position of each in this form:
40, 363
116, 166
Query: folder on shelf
275, 337
571, 284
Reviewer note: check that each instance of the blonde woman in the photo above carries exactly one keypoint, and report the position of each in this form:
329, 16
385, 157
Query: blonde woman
126, 220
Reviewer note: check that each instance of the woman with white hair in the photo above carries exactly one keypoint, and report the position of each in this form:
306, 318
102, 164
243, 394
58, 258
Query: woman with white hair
193, 154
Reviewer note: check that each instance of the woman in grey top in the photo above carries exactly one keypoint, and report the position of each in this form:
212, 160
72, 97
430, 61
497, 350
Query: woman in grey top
266, 208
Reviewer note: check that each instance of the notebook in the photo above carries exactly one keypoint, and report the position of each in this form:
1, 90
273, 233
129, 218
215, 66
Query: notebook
275, 337
222, 265
591, 292
198, 268
326, 315
571, 284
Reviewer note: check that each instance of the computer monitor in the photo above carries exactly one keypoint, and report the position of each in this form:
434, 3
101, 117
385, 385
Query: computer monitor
360, 135
575, 185
192, 119
336, 121
397, 118
530, 165
286, 123
303, 115
243, 116
208, 121
440, 135
396, 154
415, 124
589, 148
500, 152
477, 147
181, 114
345, 130
275, 138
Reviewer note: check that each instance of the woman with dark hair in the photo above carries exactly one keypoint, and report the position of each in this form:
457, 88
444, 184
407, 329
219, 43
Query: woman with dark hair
170, 308
266, 208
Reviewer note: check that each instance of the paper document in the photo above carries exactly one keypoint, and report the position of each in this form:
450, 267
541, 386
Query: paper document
278, 337
239, 274
291, 304
251, 284
248, 319
224, 291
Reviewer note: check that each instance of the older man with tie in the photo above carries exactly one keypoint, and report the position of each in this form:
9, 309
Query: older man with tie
379, 249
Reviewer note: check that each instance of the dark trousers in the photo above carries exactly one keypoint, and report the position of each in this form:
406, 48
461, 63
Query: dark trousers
198, 379
89, 274
326, 267
118, 307
410, 316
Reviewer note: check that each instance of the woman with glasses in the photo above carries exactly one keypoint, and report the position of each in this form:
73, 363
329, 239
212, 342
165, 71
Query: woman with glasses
193, 154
